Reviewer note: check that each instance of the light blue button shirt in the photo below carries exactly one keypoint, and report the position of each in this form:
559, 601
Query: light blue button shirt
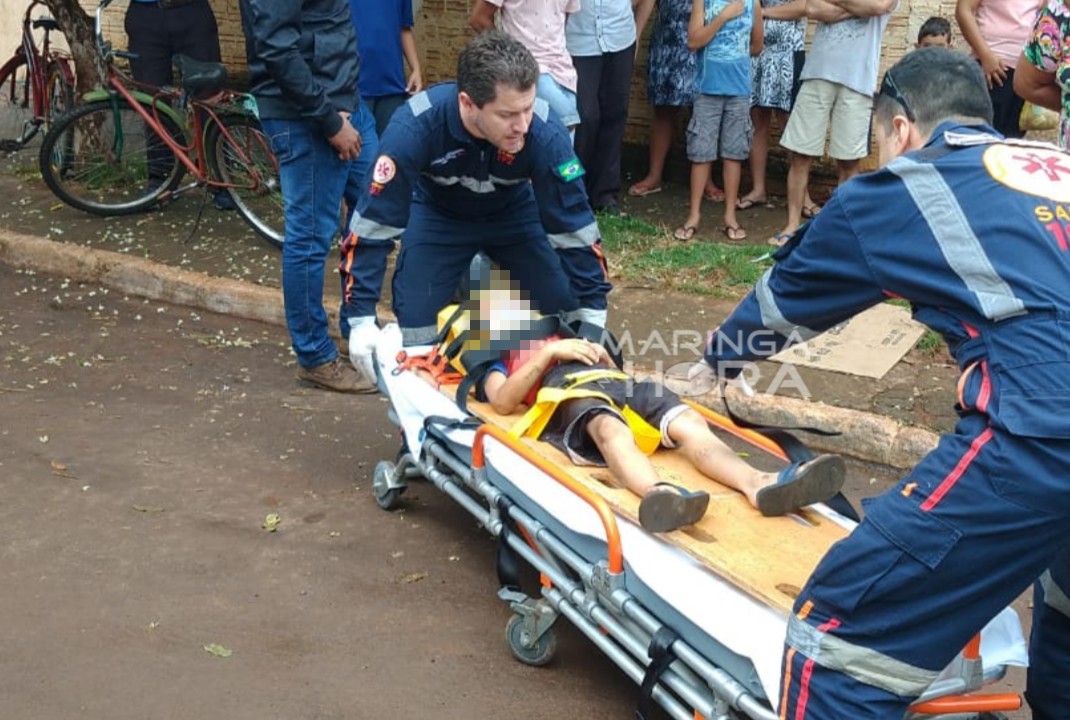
600, 27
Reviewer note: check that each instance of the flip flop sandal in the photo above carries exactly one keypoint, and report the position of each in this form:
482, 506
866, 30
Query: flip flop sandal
713, 196
779, 240
747, 203
811, 211
802, 484
671, 508
685, 233
734, 233
639, 190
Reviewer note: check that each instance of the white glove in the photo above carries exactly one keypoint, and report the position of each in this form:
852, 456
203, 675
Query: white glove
363, 335
589, 315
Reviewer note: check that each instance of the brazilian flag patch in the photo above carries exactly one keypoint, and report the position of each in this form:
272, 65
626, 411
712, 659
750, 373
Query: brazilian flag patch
570, 169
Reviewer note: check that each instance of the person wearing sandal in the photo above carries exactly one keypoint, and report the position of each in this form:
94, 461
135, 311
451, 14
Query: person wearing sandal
725, 35
599, 427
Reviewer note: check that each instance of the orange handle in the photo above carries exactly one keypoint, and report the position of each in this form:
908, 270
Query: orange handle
609, 520
751, 436
968, 703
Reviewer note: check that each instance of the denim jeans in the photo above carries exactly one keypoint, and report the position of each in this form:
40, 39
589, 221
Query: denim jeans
313, 180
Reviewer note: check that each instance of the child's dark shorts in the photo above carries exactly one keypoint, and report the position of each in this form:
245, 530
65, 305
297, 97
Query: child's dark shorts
567, 429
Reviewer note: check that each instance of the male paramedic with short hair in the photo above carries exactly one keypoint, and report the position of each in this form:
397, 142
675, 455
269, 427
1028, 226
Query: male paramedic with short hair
975, 233
477, 165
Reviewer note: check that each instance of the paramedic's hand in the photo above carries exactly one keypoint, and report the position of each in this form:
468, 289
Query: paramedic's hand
577, 350
347, 140
732, 10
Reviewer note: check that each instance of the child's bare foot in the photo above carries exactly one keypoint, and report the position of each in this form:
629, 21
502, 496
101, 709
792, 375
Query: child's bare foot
801, 484
646, 186
667, 507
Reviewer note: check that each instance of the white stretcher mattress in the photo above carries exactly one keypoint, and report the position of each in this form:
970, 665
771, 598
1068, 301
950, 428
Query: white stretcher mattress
735, 619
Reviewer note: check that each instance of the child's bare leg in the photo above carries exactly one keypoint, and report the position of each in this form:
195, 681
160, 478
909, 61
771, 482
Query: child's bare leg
662, 508
813, 481
626, 461
700, 173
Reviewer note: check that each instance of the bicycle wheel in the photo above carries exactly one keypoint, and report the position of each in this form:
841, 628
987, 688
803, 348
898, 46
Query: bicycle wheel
102, 158
239, 154
60, 88
17, 124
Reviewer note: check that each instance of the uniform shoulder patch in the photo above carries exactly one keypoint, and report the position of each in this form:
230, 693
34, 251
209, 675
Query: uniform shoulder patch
1039, 171
570, 169
384, 171
419, 103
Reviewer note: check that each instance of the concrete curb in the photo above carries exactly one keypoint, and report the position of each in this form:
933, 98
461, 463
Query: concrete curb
863, 435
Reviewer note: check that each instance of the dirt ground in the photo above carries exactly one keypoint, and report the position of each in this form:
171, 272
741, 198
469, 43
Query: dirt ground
142, 447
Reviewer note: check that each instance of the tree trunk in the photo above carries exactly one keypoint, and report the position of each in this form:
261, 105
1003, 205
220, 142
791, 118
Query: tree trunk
77, 27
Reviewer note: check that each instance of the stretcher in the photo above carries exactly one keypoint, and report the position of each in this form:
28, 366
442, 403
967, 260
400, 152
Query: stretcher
696, 618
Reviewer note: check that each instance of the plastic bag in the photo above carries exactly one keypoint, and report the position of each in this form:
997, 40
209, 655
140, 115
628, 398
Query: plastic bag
1034, 117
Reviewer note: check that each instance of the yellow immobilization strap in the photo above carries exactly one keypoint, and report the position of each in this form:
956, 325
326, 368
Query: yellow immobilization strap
533, 423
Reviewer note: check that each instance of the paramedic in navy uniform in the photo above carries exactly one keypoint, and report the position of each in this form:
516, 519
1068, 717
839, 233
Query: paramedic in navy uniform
477, 165
975, 233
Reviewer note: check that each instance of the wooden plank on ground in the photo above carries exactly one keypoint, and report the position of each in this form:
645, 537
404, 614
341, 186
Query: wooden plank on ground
768, 558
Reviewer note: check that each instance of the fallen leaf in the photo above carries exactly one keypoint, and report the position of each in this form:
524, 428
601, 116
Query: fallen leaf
411, 578
217, 650
58, 466
147, 508
271, 522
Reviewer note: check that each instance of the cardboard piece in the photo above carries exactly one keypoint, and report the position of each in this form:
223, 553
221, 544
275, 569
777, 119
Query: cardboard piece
869, 344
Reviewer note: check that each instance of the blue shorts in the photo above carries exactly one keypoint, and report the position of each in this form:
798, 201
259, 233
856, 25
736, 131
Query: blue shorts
560, 99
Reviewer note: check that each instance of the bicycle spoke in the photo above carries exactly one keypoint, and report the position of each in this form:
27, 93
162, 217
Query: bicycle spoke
244, 160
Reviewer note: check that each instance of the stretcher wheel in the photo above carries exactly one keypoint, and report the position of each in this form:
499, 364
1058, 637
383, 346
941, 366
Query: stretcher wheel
386, 497
540, 653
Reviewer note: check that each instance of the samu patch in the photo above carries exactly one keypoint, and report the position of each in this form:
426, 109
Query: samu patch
570, 169
384, 171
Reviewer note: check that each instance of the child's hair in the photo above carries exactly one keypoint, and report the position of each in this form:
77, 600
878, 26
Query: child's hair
935, 26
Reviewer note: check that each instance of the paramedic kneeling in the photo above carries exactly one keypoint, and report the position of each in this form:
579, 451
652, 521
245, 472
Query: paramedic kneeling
477, 165
964, 227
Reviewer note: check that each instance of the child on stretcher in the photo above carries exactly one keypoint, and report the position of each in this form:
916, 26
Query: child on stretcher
593, 431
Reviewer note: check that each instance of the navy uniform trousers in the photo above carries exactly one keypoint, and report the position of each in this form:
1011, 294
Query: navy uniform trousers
866, 626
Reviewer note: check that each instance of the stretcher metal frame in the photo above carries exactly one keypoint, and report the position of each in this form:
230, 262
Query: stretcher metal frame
592, 595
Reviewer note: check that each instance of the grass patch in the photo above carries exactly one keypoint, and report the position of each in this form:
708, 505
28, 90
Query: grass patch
640, 252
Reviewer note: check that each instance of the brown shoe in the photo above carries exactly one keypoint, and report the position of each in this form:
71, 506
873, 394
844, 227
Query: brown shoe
337, 375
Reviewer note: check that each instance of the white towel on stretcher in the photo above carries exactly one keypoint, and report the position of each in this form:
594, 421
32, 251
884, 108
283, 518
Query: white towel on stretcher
740, 622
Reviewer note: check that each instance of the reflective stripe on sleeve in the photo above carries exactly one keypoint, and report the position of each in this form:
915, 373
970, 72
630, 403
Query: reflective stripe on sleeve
541, 109
864, 665
481, 187
586, 236
372, 230
961, 249
419, 103
772, 318
1054, 596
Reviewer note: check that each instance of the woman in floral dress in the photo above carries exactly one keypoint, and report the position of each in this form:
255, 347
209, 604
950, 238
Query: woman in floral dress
1044, 78
774, 83
670, 86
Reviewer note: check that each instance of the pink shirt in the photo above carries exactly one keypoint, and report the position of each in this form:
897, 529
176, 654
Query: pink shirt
1006, 26
540, 25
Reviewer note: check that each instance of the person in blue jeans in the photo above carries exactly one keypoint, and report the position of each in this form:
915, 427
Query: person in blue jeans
303, 67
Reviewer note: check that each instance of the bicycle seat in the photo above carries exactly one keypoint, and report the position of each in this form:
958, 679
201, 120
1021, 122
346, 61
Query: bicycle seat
45, 22
199, 76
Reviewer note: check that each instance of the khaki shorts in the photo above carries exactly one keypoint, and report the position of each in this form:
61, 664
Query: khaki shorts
820, 101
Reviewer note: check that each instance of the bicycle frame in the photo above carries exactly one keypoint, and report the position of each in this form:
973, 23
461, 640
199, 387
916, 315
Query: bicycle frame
37, 61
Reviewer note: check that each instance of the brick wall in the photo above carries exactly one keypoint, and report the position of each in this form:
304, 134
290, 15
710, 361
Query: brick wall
442, 30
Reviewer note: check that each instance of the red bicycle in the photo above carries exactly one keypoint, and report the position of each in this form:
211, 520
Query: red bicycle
36, 84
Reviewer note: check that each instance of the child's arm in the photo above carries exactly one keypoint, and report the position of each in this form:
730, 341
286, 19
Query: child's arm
506, 394
642, 10
408, 47
482, 17
757, 30
699, 33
